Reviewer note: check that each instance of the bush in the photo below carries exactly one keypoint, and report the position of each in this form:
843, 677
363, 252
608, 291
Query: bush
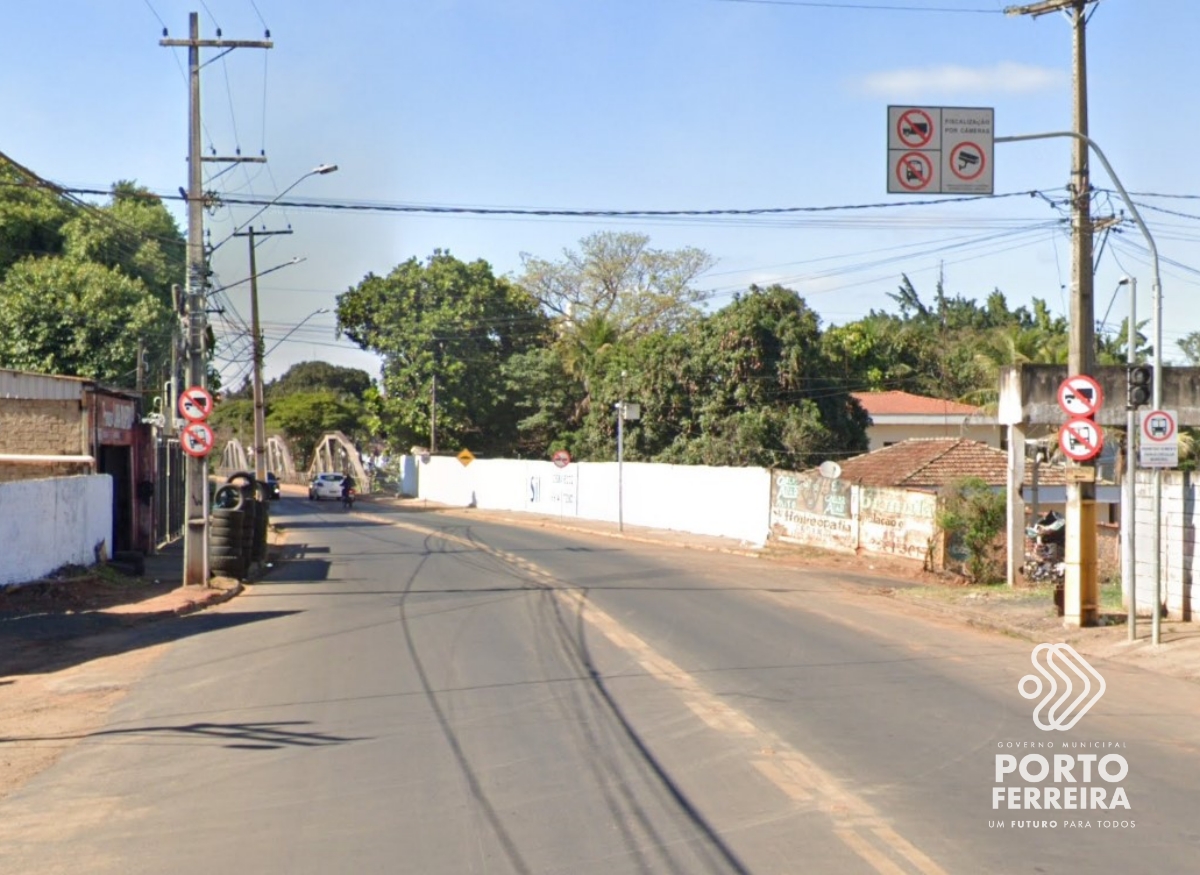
972, 513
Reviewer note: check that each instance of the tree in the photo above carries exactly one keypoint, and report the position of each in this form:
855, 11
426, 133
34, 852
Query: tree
31, 218
304, 417
133, 233
63, 316
619, 278
320, 376
1190, 346
455, 322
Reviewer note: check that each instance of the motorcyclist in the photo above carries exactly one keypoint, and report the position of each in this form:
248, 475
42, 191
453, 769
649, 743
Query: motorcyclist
347, 489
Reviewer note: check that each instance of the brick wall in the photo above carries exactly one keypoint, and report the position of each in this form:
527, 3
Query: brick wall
41, 427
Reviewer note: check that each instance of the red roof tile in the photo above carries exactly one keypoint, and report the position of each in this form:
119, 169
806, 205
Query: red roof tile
930, 463
896, 403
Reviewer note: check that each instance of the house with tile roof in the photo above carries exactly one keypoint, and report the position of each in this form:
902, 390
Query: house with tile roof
897, 416
930, 463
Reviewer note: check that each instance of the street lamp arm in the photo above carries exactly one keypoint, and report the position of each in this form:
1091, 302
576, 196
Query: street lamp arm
319, 170
295, 328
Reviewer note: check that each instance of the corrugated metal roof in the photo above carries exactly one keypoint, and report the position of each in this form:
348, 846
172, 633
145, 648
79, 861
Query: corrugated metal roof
41, 387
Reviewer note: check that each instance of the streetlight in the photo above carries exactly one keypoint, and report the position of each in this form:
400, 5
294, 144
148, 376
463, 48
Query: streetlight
260, 425
295, 328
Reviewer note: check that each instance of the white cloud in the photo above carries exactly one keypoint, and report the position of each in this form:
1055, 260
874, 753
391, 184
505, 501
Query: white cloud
1006, 77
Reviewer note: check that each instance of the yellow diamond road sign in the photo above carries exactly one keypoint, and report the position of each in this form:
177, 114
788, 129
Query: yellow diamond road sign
466, 457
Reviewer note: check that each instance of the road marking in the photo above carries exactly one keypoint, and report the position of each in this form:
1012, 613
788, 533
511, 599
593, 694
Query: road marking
855, 822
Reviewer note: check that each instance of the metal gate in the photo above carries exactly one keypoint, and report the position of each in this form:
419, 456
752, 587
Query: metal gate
170, 497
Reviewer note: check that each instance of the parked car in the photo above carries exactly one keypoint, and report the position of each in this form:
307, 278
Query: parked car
273, 493
327, 485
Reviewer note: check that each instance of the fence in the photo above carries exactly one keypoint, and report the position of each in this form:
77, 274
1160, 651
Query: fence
725, 502
749, 504
170, 492
832, 514
56, 521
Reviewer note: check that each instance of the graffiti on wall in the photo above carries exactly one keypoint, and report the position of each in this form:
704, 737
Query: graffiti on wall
811, 509
897, 522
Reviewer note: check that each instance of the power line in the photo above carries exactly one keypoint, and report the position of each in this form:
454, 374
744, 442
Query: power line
858, 7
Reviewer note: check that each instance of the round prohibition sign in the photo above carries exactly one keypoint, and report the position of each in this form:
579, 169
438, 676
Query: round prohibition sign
1081, 440
197, 439
1080, 396
195, 404
914, 171
1158, 426
914, 128
967, 161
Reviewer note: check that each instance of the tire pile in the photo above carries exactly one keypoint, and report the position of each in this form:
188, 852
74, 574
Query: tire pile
237, 526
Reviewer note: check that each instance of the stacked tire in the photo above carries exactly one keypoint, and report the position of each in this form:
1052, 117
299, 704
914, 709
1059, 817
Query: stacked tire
238, 526
228, 555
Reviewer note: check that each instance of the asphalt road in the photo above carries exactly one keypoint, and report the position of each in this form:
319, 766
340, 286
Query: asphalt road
426, 693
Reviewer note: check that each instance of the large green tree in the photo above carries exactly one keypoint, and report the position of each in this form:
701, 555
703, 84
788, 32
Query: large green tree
454, 322
83, 287
65, 316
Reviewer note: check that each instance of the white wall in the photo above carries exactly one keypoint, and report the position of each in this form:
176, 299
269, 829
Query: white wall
1178, 542
725, 502
48, 523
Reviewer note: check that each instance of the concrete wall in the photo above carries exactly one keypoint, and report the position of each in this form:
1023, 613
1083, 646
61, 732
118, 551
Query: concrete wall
817, 511
725, 502
1178, 533
881, 434
41, 427
53, 522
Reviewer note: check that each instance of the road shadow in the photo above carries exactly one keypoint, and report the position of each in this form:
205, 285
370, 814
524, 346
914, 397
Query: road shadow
45, 643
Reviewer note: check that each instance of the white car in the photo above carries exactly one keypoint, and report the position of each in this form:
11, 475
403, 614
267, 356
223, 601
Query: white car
325, 486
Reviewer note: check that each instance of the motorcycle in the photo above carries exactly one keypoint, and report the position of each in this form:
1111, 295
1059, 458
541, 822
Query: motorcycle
348, 498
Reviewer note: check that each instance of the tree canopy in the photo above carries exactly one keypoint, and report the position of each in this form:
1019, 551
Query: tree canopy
83, 286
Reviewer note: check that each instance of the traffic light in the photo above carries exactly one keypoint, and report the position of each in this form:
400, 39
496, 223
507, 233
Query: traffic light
1140, 381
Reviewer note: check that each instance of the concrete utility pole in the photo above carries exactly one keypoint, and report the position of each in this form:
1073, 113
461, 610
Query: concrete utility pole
195, 531
260, 419
1081, 590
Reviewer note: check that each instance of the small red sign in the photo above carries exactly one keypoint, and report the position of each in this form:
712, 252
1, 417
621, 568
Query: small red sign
1080, 396
195, 404
914, 171
967, 161
561, 458
914, 128
1081, 440
197, 439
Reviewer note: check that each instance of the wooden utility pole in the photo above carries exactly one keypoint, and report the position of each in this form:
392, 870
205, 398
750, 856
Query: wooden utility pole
195, 530
1081, 587
260, 412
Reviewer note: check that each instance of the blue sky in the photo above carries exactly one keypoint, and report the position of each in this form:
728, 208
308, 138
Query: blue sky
622, 105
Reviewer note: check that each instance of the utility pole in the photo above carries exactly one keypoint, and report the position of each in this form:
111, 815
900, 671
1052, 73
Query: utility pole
260, 418
1081, 587
195, 530
433, 415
